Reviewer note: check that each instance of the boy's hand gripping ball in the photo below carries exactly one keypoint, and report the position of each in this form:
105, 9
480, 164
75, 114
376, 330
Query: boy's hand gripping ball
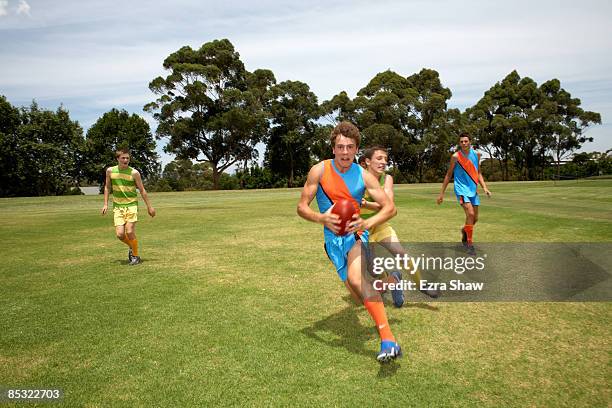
344, 209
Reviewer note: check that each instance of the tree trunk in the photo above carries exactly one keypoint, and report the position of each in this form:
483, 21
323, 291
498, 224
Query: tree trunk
216, 176
290, 178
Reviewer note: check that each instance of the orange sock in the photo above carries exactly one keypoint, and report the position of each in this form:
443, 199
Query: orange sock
126, 240
469, 230
377, 311
134, 246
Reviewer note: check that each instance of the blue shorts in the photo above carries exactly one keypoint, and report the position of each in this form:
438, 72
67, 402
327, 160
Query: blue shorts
475, 200
337, 249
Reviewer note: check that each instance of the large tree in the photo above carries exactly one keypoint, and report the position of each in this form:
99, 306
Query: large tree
39, 150
520, 123
564, 122
502, 118
293, 111
407, 114
428, 123
118, 129
210, 107
184, 175
11, 160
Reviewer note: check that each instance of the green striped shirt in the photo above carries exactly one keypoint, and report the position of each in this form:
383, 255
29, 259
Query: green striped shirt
124, 187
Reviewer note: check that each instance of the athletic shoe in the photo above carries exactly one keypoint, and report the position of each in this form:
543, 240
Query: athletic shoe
135, 260
130, 255
389, 350
471, 250
397, 294
464, 240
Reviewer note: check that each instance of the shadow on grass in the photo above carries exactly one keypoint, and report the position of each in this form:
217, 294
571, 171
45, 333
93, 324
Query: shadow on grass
343, 329
420, 305
389, 369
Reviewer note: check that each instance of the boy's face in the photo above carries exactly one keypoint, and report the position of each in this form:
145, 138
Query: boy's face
378, 162
123, 160
464, 143
344, 150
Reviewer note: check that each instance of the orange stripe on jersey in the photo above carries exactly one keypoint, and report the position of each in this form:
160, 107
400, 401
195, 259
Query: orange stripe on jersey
333, 185
467, 165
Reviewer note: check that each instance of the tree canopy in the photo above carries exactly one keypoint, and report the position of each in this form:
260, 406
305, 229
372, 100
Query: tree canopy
293, 111
114, 130
210, 107
40, 151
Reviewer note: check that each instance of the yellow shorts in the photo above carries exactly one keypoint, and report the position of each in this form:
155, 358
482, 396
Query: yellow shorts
125, 214
382, 231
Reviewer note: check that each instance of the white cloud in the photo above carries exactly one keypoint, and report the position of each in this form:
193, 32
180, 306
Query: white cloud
3, 7
23, 8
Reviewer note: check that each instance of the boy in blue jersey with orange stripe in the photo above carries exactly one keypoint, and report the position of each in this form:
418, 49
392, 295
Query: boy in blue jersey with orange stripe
465, 168
341, 178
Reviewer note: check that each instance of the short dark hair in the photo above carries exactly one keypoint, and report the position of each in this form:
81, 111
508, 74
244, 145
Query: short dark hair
121, 151
346, 129
465, 134
369, 152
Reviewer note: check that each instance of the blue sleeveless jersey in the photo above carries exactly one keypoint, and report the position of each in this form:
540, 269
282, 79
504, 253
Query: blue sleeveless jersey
353, 179
332, 187
464, 183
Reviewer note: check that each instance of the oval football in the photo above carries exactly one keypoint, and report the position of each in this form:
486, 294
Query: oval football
344, 209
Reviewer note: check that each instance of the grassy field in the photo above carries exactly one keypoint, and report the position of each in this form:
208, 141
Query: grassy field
236, 304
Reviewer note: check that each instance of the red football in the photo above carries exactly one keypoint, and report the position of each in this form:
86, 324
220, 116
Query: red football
344, 209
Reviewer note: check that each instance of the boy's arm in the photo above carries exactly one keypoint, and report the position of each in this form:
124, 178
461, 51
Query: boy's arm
106, 190
143, 192
451, 168
388, 187
370, 205
387, 208
331, 221
481, 179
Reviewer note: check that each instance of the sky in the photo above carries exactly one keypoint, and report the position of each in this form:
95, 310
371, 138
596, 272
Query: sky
92, 56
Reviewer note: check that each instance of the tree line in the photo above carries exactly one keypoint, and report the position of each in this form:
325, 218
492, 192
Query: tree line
44, 152
214, 115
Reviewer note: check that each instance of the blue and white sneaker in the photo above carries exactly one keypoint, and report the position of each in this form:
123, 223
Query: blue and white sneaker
397, 294
389, 350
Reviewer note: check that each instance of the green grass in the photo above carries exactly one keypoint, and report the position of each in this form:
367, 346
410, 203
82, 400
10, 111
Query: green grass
237, 304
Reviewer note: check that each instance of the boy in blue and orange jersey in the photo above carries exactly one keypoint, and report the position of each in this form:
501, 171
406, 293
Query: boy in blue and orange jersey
465, 168
341, 178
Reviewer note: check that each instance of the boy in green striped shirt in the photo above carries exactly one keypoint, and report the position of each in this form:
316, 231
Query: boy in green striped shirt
124, 181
